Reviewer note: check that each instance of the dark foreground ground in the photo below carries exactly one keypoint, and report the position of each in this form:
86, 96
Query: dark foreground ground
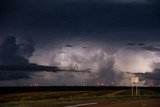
128, 103
78, 97
22, 89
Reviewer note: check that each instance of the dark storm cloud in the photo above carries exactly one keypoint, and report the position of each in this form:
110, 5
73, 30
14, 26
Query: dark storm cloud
26, 49
51, 21
134, 44
66, 19
14, 75
88, 70
154, 76
68, 45
153, 1
152, 48
131, 44
14, 63
29, 68
84, 47
9, 52
141, 44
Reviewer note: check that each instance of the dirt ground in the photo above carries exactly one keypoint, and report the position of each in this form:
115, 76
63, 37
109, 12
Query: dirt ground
104, 103
129, 103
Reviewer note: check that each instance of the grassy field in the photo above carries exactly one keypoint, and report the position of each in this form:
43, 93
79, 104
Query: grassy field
71, 97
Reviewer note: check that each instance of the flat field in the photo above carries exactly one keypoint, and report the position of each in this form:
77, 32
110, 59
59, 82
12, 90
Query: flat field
72, 96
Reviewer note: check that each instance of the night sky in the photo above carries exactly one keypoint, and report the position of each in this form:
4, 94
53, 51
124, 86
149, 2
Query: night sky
77, 42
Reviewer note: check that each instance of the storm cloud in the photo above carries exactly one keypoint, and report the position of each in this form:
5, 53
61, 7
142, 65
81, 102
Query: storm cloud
152, 48
150, 76
9, 52
14, 63
80, 35
89, 19
96, 59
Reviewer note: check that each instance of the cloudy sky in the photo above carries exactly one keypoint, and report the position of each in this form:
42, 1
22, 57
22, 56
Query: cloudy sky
68, 42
